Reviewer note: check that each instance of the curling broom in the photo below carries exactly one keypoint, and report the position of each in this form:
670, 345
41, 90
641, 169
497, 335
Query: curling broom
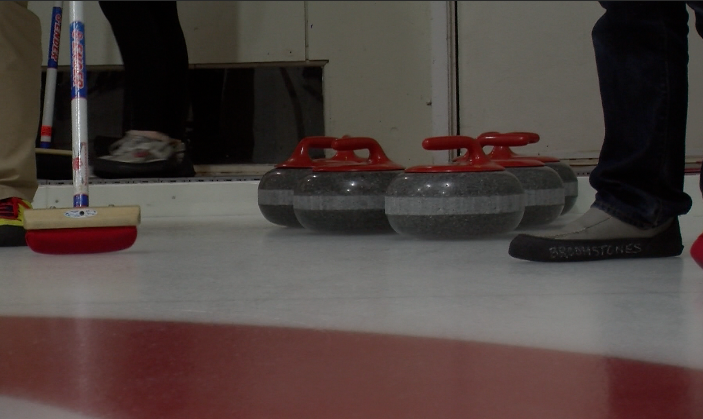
52, 163
81, 229
51, 70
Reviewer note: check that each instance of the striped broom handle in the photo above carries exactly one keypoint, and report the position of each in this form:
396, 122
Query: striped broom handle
79, 106
51, 68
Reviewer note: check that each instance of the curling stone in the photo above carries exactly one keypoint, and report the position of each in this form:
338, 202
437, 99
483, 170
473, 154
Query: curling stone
275, 192
567, 174
347, 198
544, 190
470, 197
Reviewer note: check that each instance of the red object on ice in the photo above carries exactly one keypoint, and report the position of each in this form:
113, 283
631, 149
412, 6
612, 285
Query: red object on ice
66, 241
697, 251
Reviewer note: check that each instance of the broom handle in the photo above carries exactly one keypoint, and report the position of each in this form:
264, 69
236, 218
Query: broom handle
51, 69
79, 106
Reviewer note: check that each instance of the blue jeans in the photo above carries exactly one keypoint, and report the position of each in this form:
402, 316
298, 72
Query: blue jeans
641, 53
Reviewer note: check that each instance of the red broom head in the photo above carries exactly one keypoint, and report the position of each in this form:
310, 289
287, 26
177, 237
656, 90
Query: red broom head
697, 251
66, 241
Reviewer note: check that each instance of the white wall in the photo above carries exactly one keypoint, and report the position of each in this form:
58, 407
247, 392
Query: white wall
377, 82
529, 66
243, 31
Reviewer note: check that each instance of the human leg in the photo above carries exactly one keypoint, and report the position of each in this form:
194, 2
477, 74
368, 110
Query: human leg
642, 60
641, 53
697, 7
20, 87
155, 57
156, 70
697, 247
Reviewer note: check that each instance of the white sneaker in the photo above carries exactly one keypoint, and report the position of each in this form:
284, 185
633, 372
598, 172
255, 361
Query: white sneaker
136, 155
597, 235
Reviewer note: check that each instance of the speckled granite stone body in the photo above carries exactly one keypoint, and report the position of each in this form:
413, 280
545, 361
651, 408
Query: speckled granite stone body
571, 183
455, 205
343, 201
275, 195
544, 194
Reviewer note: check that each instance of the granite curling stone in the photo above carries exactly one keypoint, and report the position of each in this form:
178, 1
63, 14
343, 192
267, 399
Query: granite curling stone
275, 191
567, 174
564, 170
347, 198
470, 197
544, 189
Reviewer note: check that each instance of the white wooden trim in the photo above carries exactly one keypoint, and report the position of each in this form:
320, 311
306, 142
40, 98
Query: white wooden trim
444, 107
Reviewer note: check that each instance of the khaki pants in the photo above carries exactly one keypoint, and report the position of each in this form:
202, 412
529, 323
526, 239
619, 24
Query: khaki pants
20, 102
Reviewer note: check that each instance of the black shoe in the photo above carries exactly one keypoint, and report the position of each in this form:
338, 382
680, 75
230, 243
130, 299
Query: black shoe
599, 236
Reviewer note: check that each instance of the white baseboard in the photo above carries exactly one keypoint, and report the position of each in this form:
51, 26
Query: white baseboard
187, 199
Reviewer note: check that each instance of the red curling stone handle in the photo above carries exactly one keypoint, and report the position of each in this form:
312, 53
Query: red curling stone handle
314, 142
474, 152
510, 139
376, 154
301, 154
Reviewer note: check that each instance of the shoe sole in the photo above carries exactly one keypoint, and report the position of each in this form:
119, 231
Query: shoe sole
12, 236
668, 243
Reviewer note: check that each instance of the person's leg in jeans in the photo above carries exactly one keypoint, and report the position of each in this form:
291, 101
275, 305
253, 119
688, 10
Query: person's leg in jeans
697, 7
642, 60
641, 51
697, 247
155, 59
20, 87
